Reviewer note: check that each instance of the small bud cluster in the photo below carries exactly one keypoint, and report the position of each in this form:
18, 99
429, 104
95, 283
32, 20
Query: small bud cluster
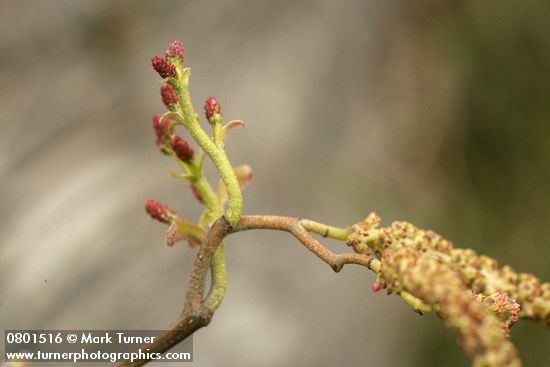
180, 229
167, 67
175, 51
168, 142
168, 96
212, 108
163, 131
164, 68
159, 211
182, 149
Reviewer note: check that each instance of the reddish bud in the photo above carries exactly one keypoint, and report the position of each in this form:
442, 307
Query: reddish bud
158, 211
168, 95
157, 125
376, 287
175, 50
182, 149
163, 131
197, 195
163, 67
211, 107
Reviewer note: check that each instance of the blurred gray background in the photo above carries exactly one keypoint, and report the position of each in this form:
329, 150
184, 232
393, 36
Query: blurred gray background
435, 112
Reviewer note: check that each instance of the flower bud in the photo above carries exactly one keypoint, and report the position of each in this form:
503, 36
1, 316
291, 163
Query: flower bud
159, 211
175, 50
163, 67
211, 108
163, 131
182, 149
168, 95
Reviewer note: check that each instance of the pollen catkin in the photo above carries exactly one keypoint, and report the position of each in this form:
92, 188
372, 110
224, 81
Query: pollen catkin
479, 273
435, 283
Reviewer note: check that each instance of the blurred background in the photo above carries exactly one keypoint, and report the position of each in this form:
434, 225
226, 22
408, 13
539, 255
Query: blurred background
434, 112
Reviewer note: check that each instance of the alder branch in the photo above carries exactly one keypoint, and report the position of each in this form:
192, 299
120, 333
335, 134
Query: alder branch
195, 287
396, 272
196, 314
296, 227
473, 295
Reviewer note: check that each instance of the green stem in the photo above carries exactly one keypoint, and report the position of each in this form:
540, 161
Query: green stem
416, 303
214, 210
219, 158
186, 115
216, 154
208, 196
219, 280
324, 230
217, 134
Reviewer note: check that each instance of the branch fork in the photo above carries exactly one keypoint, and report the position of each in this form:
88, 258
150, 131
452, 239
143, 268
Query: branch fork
471, 293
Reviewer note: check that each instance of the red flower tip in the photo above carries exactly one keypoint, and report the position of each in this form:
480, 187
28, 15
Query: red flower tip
197, 195
168, 95
175, 50
211, 107
163, 130
376, 287
157, 125
158, 211
163, 67
182, 149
